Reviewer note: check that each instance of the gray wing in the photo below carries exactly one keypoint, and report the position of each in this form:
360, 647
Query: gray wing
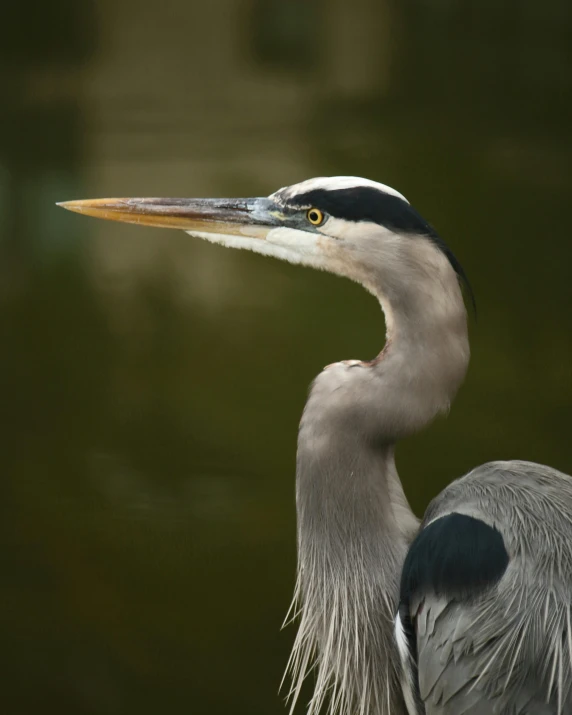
485, 622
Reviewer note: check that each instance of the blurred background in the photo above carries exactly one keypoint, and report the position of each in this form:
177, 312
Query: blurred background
152, 384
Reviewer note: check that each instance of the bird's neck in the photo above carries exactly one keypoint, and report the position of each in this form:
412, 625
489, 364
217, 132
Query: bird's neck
354, 521
354, 527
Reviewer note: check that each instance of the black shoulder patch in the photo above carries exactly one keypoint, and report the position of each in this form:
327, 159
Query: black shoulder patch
455, 556
366, 203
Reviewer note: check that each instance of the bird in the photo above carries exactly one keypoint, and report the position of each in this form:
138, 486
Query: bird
467, 611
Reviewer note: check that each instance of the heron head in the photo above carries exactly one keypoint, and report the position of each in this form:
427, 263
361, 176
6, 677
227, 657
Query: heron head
354, 227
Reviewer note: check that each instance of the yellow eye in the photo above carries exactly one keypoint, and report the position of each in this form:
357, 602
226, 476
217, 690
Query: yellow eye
315, 216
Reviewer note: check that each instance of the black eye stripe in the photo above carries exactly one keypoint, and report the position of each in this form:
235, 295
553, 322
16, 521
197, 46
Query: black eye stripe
364, 203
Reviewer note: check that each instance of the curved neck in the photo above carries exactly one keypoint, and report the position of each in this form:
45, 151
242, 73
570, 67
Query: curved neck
426, 354
354, 521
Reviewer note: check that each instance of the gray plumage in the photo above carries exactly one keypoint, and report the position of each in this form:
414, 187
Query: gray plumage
510, 649
468, 613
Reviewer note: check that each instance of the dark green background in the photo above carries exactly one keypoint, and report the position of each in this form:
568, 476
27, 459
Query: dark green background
152, 385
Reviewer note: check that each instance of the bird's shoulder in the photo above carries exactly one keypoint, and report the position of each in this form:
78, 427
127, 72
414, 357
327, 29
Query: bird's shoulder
484, 623
528, 503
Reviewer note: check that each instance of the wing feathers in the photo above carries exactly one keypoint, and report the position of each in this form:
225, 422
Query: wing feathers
487, 584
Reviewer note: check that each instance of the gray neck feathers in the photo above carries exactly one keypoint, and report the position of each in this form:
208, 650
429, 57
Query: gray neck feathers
354, 521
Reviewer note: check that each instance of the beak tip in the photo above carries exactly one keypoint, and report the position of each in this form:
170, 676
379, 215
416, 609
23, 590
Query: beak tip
77, 206
69, 205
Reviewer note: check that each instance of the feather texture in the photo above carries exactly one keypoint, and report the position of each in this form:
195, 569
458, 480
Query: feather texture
507, 649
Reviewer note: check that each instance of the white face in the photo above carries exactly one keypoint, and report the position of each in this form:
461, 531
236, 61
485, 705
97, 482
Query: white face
296, 238
288, 244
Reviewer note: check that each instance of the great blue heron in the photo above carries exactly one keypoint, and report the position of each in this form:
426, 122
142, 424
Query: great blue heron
467, 613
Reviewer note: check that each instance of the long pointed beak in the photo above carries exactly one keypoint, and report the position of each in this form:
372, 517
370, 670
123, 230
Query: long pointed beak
238, 217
